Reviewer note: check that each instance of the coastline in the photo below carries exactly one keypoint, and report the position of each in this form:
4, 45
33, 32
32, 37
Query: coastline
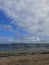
40, 57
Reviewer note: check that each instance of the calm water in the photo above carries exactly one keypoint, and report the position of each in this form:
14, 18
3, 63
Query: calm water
20, 46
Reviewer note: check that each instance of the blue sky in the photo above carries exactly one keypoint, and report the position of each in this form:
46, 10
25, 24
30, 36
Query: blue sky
9, 30
25, 21
6, 32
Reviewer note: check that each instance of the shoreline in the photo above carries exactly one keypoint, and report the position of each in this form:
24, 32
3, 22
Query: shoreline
36, 57
23, 53
26, 60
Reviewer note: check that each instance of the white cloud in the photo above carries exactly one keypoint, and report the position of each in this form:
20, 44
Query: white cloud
8, 40
10, 28
32, 15
6, 27
16, 40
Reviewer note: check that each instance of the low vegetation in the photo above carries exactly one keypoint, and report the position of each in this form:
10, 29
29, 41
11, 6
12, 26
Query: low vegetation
24, 58
22, 53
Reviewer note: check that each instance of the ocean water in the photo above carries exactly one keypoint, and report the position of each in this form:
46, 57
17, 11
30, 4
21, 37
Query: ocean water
23, 46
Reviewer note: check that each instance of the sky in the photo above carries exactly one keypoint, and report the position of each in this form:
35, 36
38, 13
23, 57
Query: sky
24, 21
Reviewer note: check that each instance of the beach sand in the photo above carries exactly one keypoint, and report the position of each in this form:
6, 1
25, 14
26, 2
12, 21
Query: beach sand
29, 59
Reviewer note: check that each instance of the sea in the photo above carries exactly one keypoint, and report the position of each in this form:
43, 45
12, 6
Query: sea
23, 46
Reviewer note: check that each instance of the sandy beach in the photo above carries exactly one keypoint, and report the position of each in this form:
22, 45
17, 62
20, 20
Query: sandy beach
38, 58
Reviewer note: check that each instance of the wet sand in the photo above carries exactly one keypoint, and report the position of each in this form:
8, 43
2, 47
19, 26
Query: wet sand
25, 58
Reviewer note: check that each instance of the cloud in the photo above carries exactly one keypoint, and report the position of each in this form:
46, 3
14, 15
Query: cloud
6, 27
11, 29
17, 35
4, 39
31, 15
7, 40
